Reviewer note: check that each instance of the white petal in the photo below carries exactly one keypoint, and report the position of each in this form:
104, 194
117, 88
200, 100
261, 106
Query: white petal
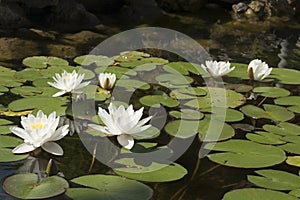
126, 141
23, 148
53, 148
83, 85
60, 133
99, 128
20, 132
59, 93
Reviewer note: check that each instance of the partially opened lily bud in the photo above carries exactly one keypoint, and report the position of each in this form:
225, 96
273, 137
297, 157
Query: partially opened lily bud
107, 80
258, 70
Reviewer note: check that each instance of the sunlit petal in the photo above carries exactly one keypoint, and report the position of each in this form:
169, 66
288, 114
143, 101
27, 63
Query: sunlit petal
23, 148
53, 148
126, 141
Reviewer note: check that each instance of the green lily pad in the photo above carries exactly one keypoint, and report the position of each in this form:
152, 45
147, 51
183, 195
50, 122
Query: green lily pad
52, 70
275, 179
98, 60
214, 130
293, 160
217, 97
265, 138
3, 89
283, 128
42, 82
292, 101
295, 193
187, 93
130, 56
239, 87
6, 154
291, 148
245, 154
132, 84
272, 92
108, 187
142, 61
156, 172
149, 133
145, 67
286, 76
273, 112
156, 100
88, 74
182, 128
176, 79
257, 194
184, 68
26, 91
119, 71
27, 186
231, 115
240, 71
187, 114
5, 126
40, 62
47, 104
28, 74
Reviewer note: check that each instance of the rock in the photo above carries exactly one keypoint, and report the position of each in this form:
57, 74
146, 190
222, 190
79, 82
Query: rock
256, 6
11, 16
63, 51
181, 5
240, 7
16, 48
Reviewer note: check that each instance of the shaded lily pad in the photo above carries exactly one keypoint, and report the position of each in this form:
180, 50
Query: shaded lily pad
134, 63
155, 100
265, 138
273, 112
187, 114
119, 71
187, 93
176, 79
156, 172
101, 61
41, 62
245, 154
257, 194
239, 87
286, 76
47, 104
145, 67
132, 84
27, 186
108, 187
275, 179
182, 128
217, 97
231, 115
272, 92
131, 55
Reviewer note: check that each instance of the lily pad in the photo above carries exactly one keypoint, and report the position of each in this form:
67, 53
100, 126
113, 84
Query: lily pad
5, 126
26, 91
283, 128
182, 128
257, 194
108, 187
142, 61
273, 112
27, 186
293, 160
145, 67
132, 84
265, 138
156, 100
119, 71
187, 114
240, 71
292, 101
245, 154
28, 74
156, 172
52, 70
286, 76
47, 104
98, 60
184, 68
217, 97
187, 93
272, 92
231, 115
40, 62
6, 143
275, 179
175, 79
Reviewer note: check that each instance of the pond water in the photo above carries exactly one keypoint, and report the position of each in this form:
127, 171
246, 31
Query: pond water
276, 41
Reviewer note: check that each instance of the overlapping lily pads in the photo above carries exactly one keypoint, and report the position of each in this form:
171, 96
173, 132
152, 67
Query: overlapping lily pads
156, 100
98, 60
108, 187
292, 101
6, 143
4, 126
272, 92
27, 186
286, 76
40, 62
245, 154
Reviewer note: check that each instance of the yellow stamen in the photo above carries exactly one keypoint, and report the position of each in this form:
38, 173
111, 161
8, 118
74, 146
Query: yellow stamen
37, 126
67, 78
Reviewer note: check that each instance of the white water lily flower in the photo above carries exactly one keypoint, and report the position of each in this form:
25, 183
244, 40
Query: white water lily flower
124, 123
68, 82
40, 131
258, 70
107, 80
217, 69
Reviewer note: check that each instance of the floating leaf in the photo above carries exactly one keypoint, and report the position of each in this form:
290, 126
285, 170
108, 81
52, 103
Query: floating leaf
176, 79
184, 68
119, 71
187, 114
132, 84
145, 67
134, 63
239, 87
131, 55
5, 126
226, 114
41, 62
28, 74
26, 91
245, 154
156, 172
217, 97
101, 61
52, 70
293, 160
182, 128
275, 179
27, 186
240, 71
283, 128
47, 104
286, 76
265, 138
273, 112
152, 100
108, 187
257, 194
292, 101
6, 143
187, 93
272, 92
